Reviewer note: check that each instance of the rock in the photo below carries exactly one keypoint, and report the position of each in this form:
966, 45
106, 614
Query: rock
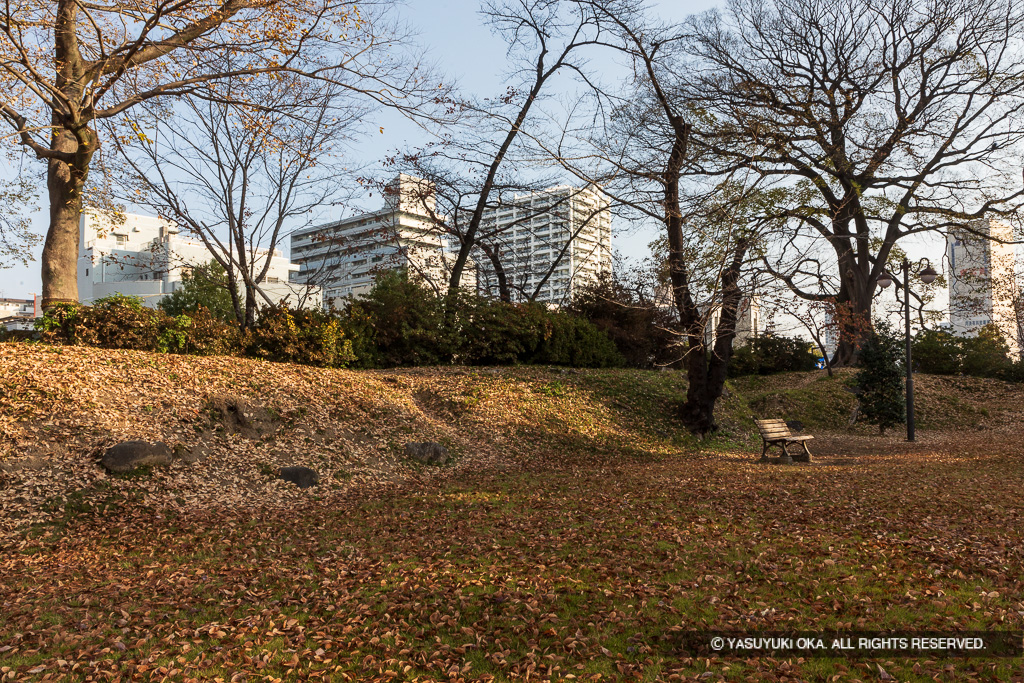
32, 462
191, 455
126, 456
240, 416
428, 452
303, 477
795, 425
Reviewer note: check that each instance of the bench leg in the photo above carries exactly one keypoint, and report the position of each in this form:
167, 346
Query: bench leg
806, 455
764, 452
786, 458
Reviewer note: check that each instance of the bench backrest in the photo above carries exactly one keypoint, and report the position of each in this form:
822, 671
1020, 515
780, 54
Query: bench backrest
773, 429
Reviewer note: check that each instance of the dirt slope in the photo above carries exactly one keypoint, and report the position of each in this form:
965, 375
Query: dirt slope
233, 422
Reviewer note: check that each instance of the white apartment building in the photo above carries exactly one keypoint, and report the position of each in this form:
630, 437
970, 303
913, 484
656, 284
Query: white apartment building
562, 230
748, 322
146, 257
19, 314
345, 256
982, 276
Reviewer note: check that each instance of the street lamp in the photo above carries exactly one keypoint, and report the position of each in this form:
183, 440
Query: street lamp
927, 276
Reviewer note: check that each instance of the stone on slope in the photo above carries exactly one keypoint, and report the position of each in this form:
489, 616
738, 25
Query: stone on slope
427, 452
127, 455
303, 477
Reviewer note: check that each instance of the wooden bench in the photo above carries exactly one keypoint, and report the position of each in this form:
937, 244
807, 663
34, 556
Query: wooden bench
776, 433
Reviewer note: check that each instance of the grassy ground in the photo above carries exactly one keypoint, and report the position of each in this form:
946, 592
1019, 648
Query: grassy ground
591, 552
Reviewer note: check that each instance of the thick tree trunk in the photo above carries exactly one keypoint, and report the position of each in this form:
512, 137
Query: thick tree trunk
65, 183
706, 374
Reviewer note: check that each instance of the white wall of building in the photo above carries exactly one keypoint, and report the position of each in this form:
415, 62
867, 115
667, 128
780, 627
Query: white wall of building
19, 314
345, 256
981, 273
146, 257
534, 229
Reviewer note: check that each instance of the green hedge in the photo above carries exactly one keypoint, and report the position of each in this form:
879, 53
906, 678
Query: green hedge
399, 323
985, 354
769, 354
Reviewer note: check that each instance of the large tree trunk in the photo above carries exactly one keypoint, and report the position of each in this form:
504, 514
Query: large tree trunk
853, 313
706, 374
65, 183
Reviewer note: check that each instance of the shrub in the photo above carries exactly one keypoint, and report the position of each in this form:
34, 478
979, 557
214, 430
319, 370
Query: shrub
644, 334
937, 352
407, 323
880, 379
113, 322
983, 355
309, 337
122, 322
986, 354
574, 341
770, 354
206, 286
498, 333
59, 324
204, 335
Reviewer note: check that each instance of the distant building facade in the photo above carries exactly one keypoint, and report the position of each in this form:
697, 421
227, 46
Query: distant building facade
535, 237
982, 275
19, 314
146, 257
748, 322
345, 256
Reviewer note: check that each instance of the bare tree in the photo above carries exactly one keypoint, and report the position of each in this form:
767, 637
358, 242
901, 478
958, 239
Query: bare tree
470, 168
239, 178
879, 118
643, 149
67, 65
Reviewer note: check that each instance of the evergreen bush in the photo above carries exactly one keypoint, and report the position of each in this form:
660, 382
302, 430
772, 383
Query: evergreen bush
308, 337
770, 354
880, 379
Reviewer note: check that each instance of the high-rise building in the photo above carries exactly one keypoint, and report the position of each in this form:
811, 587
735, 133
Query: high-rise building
748, 322
146, 257
549, 243
345, 256
982, 264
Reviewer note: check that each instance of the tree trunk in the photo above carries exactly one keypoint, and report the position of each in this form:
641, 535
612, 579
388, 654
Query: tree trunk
65, 183
707, 375
494, 256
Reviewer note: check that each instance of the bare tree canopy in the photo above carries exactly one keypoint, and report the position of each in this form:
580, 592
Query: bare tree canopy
645, 152
879, 118
66, 65
16, 236
239, 178
480, 162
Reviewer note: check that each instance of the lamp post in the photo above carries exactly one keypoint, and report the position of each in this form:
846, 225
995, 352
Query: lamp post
927, 275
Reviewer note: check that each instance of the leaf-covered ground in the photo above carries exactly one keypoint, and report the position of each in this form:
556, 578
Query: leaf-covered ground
578, 536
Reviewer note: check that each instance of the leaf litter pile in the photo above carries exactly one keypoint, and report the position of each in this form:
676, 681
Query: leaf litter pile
578, 535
